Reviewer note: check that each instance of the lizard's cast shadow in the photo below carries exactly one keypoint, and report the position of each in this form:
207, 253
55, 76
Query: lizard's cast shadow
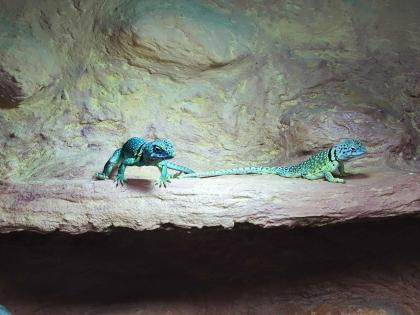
140, 184
356, 176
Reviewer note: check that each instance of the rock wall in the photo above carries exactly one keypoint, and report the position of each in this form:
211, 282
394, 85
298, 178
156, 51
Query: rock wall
230, 82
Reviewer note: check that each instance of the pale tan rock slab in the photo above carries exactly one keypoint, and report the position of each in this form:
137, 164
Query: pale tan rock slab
78, 206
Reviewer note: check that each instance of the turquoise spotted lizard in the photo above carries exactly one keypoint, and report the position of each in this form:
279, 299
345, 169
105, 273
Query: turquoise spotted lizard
319, 165
4, 311
141, 152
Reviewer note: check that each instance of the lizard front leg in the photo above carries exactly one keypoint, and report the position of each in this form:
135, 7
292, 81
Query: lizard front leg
179, 168
119, 178
329, 176
341, 169
164, 176
113, 160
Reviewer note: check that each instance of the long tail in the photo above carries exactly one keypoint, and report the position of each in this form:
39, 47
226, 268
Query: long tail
235, 171
284, 171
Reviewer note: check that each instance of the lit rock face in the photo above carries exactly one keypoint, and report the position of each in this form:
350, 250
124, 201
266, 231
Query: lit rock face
220, 80
78, 206
28, 62
177, 39
231, 83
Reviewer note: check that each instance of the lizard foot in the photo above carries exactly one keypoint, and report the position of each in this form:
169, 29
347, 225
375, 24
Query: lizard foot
329, 177
162, 181
120, 180
337, 180
166, 179
100, 176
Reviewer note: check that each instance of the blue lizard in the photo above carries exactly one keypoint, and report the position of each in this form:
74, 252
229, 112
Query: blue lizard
141, 152
4, 311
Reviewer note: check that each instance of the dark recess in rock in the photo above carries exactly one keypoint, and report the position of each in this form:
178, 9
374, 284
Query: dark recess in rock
369, 265
10, 92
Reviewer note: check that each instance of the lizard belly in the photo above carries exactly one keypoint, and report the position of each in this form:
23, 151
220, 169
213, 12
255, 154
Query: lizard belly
332, 166
318, 169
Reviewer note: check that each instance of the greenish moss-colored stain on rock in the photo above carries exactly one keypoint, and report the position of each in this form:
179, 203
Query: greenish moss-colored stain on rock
230, 83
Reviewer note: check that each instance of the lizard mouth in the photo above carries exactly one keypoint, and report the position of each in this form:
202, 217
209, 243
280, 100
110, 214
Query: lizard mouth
163, 157
357, 155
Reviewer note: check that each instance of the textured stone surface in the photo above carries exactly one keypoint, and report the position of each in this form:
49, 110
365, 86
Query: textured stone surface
10, 91
29, 62
230, 82
177, 39
77, 206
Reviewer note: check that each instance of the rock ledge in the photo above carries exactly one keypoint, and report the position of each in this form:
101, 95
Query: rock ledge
79, 206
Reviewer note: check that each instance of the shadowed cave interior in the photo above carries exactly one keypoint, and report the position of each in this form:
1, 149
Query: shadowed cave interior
354, 268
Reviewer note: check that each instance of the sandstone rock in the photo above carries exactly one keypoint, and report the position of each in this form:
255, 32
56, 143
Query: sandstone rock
78, 206
175, 38
27, 65
10, 91
309, 129
230, 83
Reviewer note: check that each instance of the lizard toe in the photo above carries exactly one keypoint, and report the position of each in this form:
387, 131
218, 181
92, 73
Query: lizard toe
100, 176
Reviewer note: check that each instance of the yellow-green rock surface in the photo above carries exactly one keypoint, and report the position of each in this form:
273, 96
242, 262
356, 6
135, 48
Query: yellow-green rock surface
231, 83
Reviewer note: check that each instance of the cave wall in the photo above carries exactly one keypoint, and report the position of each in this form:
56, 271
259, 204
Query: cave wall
230, 82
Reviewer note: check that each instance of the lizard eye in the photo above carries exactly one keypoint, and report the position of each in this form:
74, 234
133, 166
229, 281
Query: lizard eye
158, 149
353, 148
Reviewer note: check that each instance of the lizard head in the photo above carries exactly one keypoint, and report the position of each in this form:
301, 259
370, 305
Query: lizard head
349, 148
159, 150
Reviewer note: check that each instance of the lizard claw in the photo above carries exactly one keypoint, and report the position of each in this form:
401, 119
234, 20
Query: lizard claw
161, 183
119, 180
165, 179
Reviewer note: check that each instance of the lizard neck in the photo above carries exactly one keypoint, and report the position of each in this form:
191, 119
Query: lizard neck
147, 161
332, 154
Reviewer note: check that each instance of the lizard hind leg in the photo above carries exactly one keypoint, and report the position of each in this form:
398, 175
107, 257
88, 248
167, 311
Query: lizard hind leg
329, 176
109, 166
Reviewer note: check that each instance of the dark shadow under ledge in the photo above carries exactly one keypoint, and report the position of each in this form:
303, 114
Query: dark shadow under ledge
78, 206
359, 268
